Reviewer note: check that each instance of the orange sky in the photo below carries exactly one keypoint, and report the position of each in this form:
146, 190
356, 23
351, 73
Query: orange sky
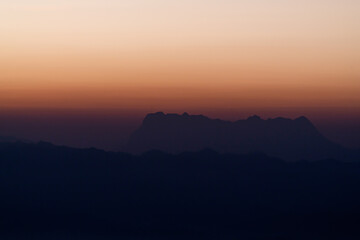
171, 55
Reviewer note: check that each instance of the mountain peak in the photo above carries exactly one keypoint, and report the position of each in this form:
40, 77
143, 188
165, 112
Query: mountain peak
160, 114
153, 117
279, 137
302, 119
254, 118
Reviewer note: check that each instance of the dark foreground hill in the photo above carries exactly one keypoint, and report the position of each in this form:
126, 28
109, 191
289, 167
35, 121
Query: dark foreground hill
280, 137
49, 190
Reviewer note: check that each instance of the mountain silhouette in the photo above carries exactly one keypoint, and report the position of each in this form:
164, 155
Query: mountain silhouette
48, 189
281, 137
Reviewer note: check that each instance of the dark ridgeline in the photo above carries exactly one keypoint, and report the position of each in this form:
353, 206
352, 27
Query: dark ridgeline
48, 190
280, 137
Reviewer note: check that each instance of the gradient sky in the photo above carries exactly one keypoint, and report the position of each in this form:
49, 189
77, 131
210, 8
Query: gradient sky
170, 54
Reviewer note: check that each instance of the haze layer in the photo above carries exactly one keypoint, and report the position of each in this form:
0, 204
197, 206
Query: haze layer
172, 55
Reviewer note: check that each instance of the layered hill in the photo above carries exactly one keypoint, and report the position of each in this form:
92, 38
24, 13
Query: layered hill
49, 190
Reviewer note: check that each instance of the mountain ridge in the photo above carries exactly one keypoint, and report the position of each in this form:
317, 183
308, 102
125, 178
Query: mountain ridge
291, 139
207, 195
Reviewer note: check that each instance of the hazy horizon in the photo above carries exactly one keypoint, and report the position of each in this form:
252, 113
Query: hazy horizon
63, 60
84, 74
110, 129
179, 54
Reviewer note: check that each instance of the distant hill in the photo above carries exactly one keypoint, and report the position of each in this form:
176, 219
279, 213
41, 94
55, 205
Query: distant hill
281, 137
12, 139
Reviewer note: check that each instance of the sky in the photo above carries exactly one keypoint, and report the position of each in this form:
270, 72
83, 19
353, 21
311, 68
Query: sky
203, 56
